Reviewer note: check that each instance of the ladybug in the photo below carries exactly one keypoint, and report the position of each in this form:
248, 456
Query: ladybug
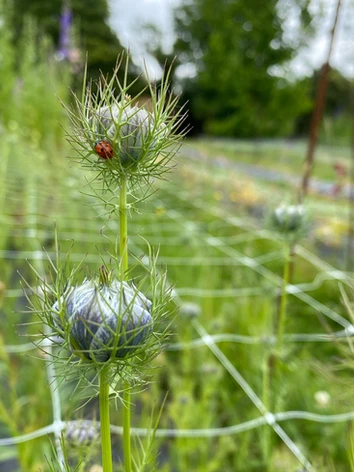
104, 149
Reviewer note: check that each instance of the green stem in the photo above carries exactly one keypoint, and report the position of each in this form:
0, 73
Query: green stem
126, 429
266, 401
123, 250
105, 422
123, 228
271, 362
280, 326
283, 300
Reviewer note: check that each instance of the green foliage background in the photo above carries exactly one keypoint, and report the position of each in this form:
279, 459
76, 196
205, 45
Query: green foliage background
94, 36
234, 47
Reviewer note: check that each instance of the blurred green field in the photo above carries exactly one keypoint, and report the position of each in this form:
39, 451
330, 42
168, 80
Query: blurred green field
283, 156
257, 176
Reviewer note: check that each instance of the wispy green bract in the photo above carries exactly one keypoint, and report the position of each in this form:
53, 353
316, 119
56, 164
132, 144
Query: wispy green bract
144, 139
96, 322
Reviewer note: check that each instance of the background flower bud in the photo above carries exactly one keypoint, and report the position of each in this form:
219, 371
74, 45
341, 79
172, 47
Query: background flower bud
81, 433
104, 320
190, 310
289, 219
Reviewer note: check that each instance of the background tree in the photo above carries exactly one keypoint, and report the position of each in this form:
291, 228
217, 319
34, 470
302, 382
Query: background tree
338, 92
338, 103
237, 49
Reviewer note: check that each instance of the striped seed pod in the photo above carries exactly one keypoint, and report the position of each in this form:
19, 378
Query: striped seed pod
104, 321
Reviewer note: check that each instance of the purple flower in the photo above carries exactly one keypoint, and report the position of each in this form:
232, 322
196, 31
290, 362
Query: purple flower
64, 33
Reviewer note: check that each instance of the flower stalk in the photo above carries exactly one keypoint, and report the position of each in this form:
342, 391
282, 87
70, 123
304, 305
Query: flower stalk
123, 228
275, 358
283, 299
105, 421
126, 429
123, 250
266, 388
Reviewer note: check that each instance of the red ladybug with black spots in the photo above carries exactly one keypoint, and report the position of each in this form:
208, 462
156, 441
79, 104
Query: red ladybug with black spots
104, 149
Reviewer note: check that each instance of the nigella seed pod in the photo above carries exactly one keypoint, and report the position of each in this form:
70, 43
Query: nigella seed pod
104, 320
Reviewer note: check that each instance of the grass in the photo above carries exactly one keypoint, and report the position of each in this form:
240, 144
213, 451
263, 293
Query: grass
182, 220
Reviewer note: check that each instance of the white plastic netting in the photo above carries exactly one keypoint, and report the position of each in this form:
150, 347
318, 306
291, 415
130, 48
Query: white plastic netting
214, 238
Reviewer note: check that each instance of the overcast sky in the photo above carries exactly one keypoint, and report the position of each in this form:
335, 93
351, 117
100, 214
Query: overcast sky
128, 17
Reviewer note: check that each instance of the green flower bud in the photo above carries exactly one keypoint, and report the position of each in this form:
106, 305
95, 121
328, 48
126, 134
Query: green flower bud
130, 131
104, 321
132, 142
